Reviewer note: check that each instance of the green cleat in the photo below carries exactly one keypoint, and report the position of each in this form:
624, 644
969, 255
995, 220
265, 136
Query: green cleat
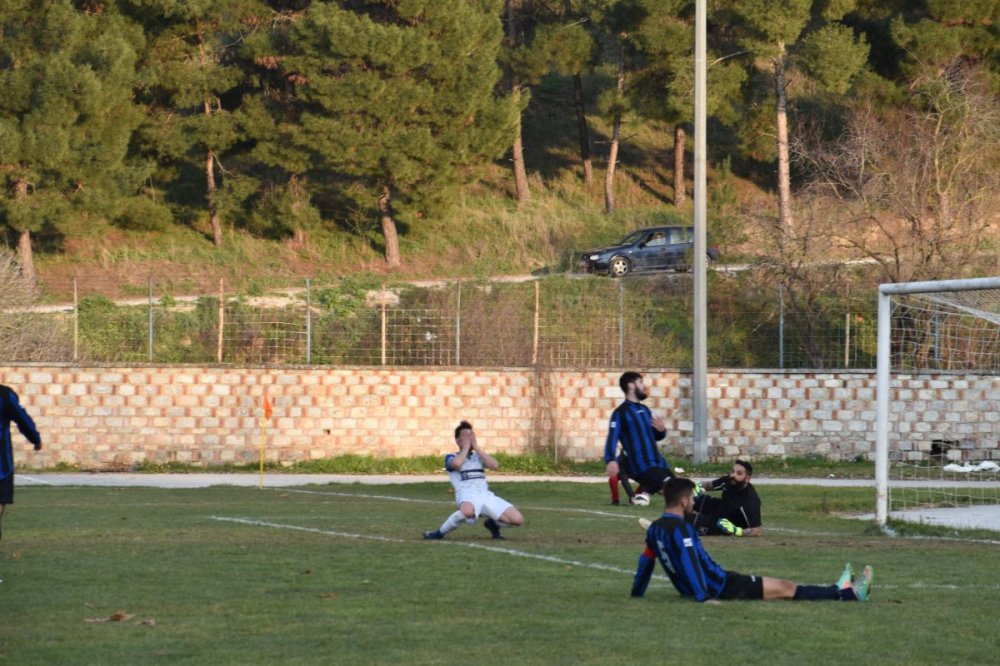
847, 578
864, 589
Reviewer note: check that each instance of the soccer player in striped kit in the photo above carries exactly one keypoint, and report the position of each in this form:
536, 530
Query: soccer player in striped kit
467, 471
675, 543
638, 430
12, 411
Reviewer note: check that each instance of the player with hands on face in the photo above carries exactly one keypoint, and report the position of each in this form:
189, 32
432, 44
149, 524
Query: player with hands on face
467, 472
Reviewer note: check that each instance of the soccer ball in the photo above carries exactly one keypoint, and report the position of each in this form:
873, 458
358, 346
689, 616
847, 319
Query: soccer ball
640, 499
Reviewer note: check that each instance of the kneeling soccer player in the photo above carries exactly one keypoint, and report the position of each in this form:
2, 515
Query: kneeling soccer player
472, 492
677, 545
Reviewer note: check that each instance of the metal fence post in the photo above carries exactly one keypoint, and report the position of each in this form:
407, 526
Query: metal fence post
534, 338
383, 324
621, 324
76, 321
222, 320
781, 326
458, 323
150, 298
308, 323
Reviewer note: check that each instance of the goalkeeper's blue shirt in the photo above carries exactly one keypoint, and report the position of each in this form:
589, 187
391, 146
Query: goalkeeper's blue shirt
682, 556
11, 410
632, 425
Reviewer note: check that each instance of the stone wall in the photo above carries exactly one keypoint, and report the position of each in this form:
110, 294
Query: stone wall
114, 417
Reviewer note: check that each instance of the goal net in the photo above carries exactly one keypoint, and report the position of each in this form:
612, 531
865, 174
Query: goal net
938, 398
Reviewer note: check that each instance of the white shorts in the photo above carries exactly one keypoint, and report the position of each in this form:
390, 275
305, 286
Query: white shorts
485, 503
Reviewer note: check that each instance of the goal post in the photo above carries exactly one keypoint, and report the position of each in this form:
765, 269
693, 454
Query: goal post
977, 299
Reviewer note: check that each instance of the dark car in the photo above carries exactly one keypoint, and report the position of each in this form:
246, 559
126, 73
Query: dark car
654, 248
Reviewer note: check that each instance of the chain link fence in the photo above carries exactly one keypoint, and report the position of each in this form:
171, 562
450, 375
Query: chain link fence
556, 321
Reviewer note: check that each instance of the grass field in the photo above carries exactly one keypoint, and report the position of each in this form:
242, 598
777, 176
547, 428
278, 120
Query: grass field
340, 575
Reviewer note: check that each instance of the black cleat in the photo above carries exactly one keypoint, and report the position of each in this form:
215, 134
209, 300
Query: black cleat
433, 534
492, 526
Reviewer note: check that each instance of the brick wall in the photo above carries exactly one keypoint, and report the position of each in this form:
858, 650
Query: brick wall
113, 417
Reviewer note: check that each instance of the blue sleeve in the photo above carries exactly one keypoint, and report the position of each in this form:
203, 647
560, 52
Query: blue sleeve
23, 421
644, 571
612, 442
447, 462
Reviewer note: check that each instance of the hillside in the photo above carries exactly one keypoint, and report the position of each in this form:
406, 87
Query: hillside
496, 237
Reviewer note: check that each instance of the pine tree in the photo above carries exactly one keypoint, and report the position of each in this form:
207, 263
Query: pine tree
571, 47
663, 85
393, 97
192, 70
829, 54
66, 116
945, 31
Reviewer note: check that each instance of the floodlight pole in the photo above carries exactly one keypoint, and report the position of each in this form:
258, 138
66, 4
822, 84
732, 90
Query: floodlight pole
699, 374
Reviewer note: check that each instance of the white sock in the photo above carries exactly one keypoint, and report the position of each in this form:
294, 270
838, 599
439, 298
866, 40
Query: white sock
452, 522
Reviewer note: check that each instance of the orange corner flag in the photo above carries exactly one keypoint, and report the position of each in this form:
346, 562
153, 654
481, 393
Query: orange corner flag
267, 408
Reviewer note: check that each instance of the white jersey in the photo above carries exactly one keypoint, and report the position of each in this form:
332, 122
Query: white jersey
470, 477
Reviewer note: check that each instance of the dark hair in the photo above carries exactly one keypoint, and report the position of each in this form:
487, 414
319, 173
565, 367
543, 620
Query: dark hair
464, 425
675, 489
746, 465
628, 378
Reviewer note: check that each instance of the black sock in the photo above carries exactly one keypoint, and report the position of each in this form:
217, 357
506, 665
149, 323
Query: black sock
817, 593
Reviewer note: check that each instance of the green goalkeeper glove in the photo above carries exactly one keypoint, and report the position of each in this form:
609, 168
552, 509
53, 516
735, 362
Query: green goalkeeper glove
699, 489
727, 526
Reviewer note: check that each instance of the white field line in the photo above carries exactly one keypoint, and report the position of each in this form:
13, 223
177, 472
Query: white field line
608, 514
658, 580
549, 558
463, 544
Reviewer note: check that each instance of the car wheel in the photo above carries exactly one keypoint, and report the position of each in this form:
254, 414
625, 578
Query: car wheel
619, 267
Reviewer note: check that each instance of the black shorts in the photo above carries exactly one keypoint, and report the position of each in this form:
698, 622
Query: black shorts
741, 587
7, 490
652, 479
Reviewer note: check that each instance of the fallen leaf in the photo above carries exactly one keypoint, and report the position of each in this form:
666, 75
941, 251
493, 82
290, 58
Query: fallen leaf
328, 595
149, 622
120, 616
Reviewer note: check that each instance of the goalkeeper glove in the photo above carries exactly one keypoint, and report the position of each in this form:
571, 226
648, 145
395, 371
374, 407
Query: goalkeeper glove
699, 489
727, 526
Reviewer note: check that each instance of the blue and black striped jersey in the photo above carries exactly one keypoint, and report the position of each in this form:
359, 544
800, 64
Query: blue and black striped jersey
682, 556
11, 410
632, 425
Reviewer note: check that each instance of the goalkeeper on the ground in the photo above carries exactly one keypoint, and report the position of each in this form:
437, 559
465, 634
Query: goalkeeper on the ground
736, 513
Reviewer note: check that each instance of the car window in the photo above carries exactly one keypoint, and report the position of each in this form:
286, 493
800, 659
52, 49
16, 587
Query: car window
680, 235
632, 238
658, 238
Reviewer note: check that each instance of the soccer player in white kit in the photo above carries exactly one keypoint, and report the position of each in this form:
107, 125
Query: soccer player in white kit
467, 471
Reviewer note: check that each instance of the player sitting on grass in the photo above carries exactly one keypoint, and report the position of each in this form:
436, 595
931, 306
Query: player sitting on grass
737, 513
676, 544
472, 493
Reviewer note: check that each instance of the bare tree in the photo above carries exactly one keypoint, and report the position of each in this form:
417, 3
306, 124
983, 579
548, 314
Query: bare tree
26, 335
914, 187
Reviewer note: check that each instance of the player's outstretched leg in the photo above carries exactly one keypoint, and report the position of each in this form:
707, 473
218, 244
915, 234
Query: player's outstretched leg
451, 523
